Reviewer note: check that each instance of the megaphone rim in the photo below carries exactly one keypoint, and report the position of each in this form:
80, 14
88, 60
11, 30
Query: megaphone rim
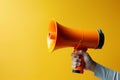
53, 25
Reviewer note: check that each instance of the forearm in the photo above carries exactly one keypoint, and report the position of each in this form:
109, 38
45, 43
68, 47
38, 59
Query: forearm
105, 73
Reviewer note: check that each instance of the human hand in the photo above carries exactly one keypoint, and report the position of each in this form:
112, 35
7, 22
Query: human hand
76, 61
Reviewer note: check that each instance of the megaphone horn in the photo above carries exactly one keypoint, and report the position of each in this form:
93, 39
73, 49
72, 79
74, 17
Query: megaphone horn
60, 36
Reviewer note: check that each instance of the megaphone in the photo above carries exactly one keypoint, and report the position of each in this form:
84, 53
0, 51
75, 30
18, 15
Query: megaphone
60, 36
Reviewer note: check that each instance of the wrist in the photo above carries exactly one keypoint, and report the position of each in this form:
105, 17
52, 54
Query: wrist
93, 66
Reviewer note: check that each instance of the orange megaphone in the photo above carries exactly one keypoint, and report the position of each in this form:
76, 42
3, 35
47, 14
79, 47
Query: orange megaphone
60, 36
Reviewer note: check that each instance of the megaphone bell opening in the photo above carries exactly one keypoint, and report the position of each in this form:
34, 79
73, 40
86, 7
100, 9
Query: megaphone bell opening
52, 35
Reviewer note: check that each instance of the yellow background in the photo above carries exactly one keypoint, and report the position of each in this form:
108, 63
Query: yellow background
23, 29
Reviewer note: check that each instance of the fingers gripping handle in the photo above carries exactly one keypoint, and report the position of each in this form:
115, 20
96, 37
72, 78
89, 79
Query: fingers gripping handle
79, 69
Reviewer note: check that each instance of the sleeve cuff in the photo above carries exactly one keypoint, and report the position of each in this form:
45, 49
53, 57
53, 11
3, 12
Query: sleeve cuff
99, 71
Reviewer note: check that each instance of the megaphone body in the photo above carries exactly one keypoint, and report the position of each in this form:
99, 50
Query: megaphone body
60, 36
